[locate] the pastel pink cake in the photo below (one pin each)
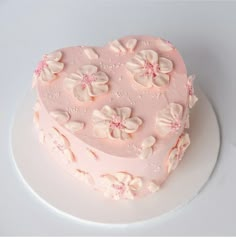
(115, 116)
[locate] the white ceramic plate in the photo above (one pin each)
(59, 190)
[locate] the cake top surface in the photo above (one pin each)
(117, 97)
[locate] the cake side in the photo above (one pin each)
(125, 134)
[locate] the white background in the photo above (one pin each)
(205, 34)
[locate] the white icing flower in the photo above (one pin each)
(146, 147)
(87, 83)
(114, 123)
(58, 142)
(48, 67)
(121, 185)
(149, 69)
(169, 119)
(192, 97)
(177, 152)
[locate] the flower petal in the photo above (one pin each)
(128, 194)
(101, 129)
(176, 110)
(59, 138)
(184, 142)
(101, 78)
(145, 153)
(117, 47)
(100, 116)
(74, 126)
(161, 80)
(54, 56)
(91, 53)
(148, 55)
(60, 116)
(164, 45)
(192, 100)
(145, 80)
(115, 133)
(173, 160)
(108, 179)
(76, 76)
(88, 69)
(136, 184)
(148, 142)
(55, 66)
(123, 112)
(166, 65)
(81, 93)
(124, 135)
(132, 124)
(153, 187)
(163, 122)
(70, 83)
(69, 155)
(108, 112)
(97, 89)
(135, 67)
(123, 177)
(46, 75)
(131, 44)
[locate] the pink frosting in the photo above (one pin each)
(103, 156)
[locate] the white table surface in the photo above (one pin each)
(205, 34)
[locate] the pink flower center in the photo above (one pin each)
(42, 64)
(175, 125)
(151, 69)
(116, 123)
(87, 80)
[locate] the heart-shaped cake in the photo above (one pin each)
(115, 115)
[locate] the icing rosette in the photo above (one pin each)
(169, 119)
(48, 67)
(149, 69)
(177, 152)
(121, 185)
(115, 123)
(87, 83)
